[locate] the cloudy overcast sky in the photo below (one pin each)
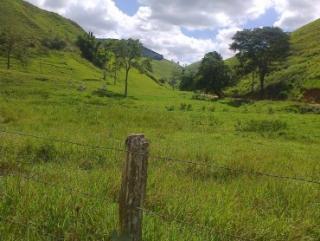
(183, 30)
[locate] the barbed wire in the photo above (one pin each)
(18, 133)
(52, 184)
(164, 158)
(250, 172)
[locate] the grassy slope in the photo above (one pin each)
(36, 23)
(164, 68)
(193, 67)
(302, 66)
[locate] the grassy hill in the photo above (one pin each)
(300, 71)
(35, 22)
(39, 24)
(163, 69)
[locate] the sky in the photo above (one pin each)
(183, 30)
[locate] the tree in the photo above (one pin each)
(130, 52)
(259, 48)
(146, 65)
(116, 62)
(175, 77)
(93, 50)
(213, 74)
(13, 44)
(115, 67)
(55, 43)
(187, 81)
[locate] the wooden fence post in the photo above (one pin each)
(133, 187)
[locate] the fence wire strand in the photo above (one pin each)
(249, 172)
(17, 133)
(163, 158)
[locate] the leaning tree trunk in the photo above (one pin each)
(126, 83)
(115, 76)
(253, 82)
(8, 59)
(262, 77)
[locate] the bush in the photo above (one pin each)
(170, 108)
(185, 107)
(303, 109)
(261, 126)
(54, 43)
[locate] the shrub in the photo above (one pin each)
(45, 152)
(54, 43)
(212, 109)
(271, 111)
(261, 126)
(185, 107)
(170, 108)
(303, 109)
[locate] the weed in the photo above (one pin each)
(261, 126)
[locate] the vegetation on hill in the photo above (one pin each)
(57, 190)
(164, 70)
(293, 78)
(296, 76)
(258, 50)
(37, 23)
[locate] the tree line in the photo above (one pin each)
(257, 51)
(112, 56)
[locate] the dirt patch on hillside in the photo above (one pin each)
(312, 96)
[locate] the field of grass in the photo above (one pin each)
(58, 191)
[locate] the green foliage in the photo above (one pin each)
(201, 136)
(37, 24)
(303, 109)
(262, 126)
(13, 44)
(165, 69)
(185, 107)
(300, 69)
(259, 48)
(55, 43)
(170, 108)
(129, 52)
(188, 81)
(235, 204)
(214, 75)
(93, 50)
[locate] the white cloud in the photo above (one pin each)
(295, 13)
(158, 24)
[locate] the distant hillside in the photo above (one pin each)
(39, 24)
(163, 69)
(151, 54)
(35, 22)
(298, 76)
(193, 67)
